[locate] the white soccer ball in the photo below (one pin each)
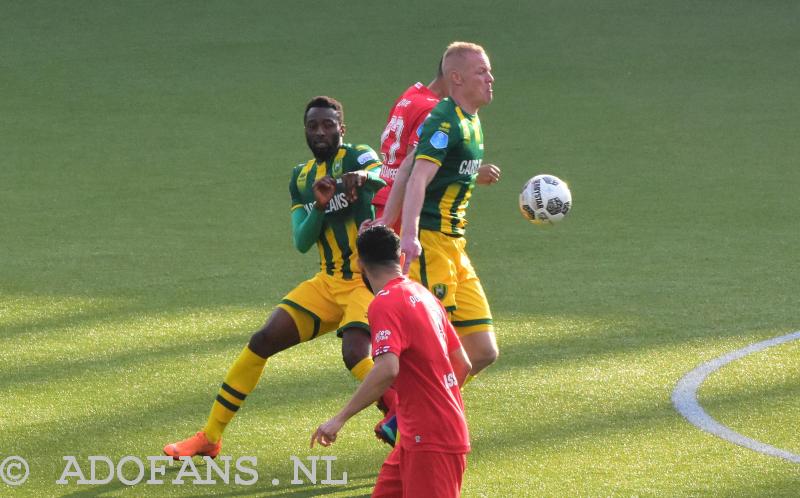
(545, 199)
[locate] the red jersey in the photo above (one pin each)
(407, 320)
(402, 129)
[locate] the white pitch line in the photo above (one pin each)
(684, 397)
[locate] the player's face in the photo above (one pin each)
(478, 79)
(364, 277)
(323, 132)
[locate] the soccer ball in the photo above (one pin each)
(545, 199)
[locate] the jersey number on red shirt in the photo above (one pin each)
(393, 127)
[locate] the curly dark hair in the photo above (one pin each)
(378, 245)
(328, 102)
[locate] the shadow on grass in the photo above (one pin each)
(45, 371)
(761, 486)
(591, 338)
(64, 320)
(276, 392)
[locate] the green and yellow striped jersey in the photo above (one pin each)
(337, 238)
(453, 140)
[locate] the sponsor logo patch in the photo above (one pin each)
(439, 140)
(367, 157)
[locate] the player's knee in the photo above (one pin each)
(482, 358)
(261, 344)
(273, 338)
(356, 346)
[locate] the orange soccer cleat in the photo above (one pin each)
(196, 445)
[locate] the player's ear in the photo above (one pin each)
(455, 78)
(402, 259)
(342, 128)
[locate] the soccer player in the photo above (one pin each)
(398, 141)
(447, 160)
(415, 347)
(331, 196)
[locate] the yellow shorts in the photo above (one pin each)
(445, 269)
(326, 303)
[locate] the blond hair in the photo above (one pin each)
(461, 47)
(455, 52)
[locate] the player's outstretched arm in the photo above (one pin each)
(378, 380)
(306, 227)
(422, 174)
(461, 365)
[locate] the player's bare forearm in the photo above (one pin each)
(394, 204)
(378, 380)
(461, 365)
(375, 384)
(421, 176)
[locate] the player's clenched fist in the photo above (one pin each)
(324, 188)
(488, 174)
(352, 181)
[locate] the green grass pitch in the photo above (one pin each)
(145, 151)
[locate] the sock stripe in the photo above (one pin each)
(227, 404)
(233, 392)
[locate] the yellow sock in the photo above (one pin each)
(362, 368)
(239, 382)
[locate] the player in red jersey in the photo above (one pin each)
(400, 136)
(398, 141)
(416, 349)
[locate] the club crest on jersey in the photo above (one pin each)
(439, 140)
(439, 290)
(336, 170)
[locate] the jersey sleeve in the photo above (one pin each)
(294, 193)
(413, 140)
(385, 326)
(438, 133)
(363, 157)
(423, 113)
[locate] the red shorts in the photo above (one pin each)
(407, 474)
(379, 212)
